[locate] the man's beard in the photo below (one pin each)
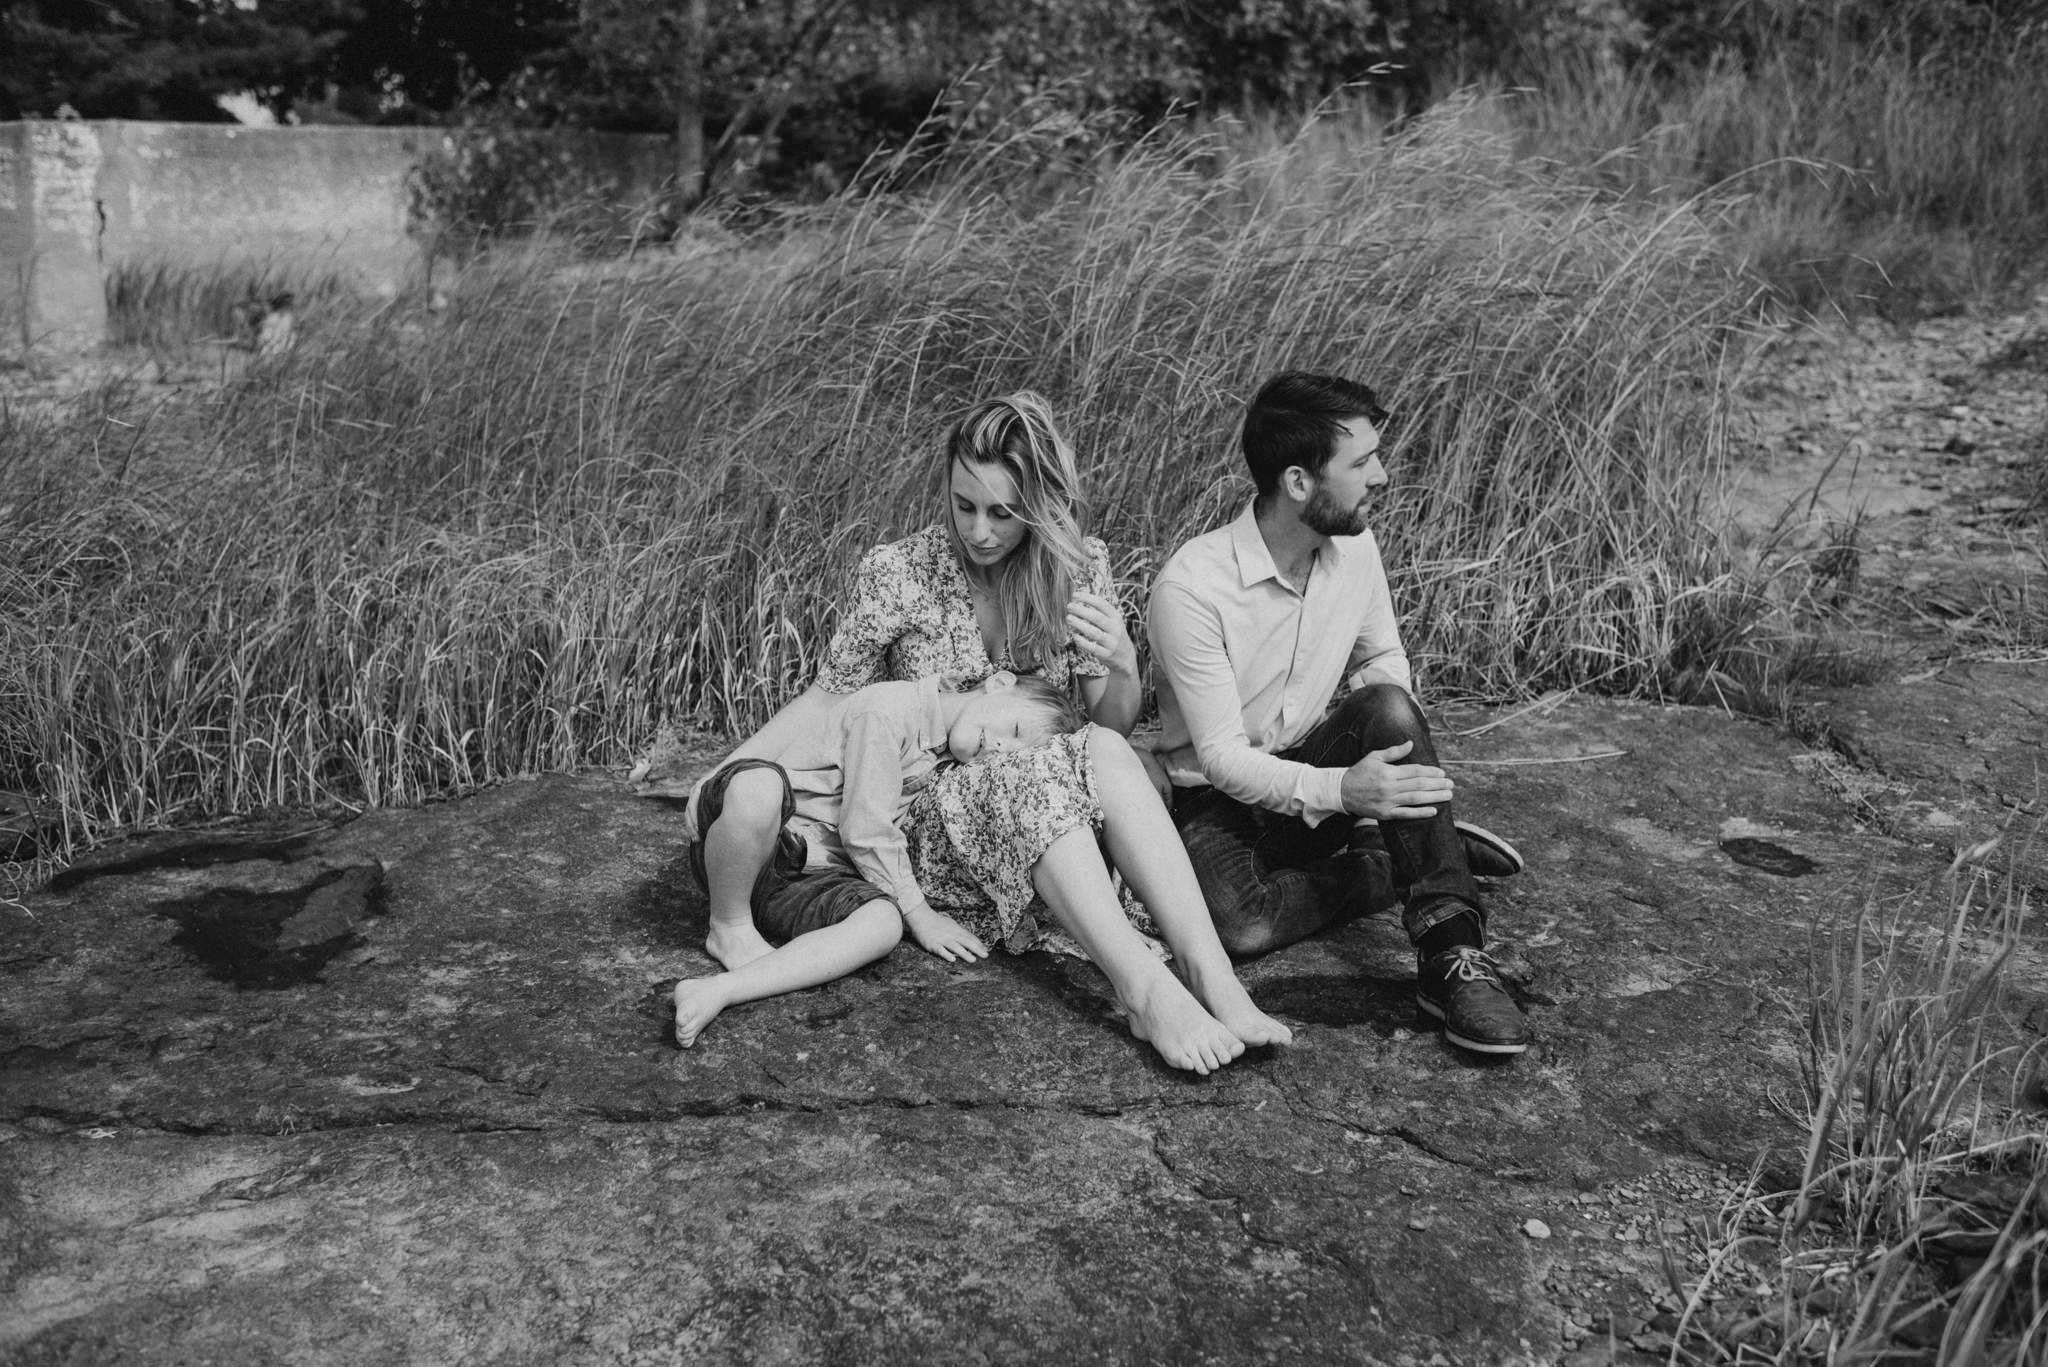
(1325, 516)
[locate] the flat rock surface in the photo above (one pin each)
(403, 1091)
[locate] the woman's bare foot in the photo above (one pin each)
(1230, 1004)
(698, 1002)
(1166, 1016)
(736, 943)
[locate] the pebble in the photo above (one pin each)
(1535, 1229)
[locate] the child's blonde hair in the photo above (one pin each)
(1057, 709)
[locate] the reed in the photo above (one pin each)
(1916, 1228)
(1876, 175)
(422, 552)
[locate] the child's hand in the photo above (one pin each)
(946, 937)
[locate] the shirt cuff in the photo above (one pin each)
(1322, 795)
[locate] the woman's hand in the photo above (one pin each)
(1097, 626)
(944, 936)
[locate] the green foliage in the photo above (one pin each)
(1867, 176)
(419, 61)
(163, 59)
(486, 182)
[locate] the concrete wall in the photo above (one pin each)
(79, 200)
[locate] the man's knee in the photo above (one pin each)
(1383, 708)
(1246, 939)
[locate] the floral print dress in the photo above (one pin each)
(978, 829)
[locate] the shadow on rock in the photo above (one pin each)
(1382, 1004)
(670, 905)
(279, 938)
(170, 852)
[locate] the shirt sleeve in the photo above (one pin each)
(870, 808)
(1378, 656)
(1096, 579)
(873, 620)
(1188, 647)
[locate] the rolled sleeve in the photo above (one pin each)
(870, 815)
(1188, 648)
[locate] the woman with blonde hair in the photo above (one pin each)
(1008, 580)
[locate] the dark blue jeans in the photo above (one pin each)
(1272, 879)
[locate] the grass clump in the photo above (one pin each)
(1884, 173)
(162, 307)
(421, 553)
(1916, 1230)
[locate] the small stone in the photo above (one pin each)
(1535, 1229)
(1421, 1222)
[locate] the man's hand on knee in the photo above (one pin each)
(1379, 786)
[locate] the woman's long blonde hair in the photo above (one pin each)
(1017, 435)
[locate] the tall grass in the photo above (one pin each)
(1874, 174)
(159, 305)
(422, 553)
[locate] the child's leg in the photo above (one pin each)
(1074, 882)
(833, 951)
(1147, 850)
(737, 847)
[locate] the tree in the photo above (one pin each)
(163, 59)
(421, 59)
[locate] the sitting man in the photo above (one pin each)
(1253, 627)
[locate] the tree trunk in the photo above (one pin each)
(692, 21)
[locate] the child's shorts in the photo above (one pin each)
(788, 899)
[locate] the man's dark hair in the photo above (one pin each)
(1296, 419)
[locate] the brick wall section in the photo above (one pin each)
(80, 199)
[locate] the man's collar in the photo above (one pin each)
(1255, 561)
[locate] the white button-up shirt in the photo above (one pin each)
(1246, 664)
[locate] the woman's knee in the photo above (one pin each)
(1109, 750)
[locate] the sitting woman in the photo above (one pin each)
(1007, 581)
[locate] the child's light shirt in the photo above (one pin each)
(856, 770)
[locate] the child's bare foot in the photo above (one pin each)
(1167, 1017)
(698, 1002)
(736, 943)
(1230, 1004)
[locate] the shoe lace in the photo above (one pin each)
(1472, 966)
